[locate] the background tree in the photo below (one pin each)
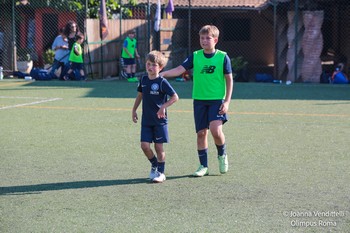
(112, 6)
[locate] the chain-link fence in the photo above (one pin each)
(29, 29)
(284, 39)
(278, 39)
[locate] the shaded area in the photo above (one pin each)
(123, 89)
(268, 91)
(38, 188)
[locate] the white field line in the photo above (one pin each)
(41, 100)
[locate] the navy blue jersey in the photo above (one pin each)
(188, 63)
(154, 94)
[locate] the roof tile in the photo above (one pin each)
(214, 3)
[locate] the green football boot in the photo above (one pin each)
(201, 171)
(223, 164)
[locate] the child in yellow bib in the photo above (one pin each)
(76, 59)
(211, 93)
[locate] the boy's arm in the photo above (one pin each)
(137, 53)
(229, 89)
(161, 111)
(173, 72)
(76, 50)
(136, 105)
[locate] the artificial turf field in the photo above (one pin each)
(71, 161)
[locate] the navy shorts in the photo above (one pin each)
(77, 66)
(129, 61)
(156, 134)
(206, 111)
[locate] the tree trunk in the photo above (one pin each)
(312, 45)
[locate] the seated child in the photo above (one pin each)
(338, 76)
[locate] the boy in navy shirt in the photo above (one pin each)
(153, 91)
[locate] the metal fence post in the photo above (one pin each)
(296, 18)
(14, 46)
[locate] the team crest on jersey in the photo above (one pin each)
(208, 69)
(154, 89)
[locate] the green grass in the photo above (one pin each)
(71, 161)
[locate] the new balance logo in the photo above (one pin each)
(208, 69)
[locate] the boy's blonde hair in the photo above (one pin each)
(156, 57)
(210, 30)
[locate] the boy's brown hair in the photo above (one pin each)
(132, 31)
(79, 36)
(156, 57)
(211, 30)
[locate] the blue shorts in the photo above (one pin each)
(156, 134)
(129, 61)
(77, 66)
(206, 111)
